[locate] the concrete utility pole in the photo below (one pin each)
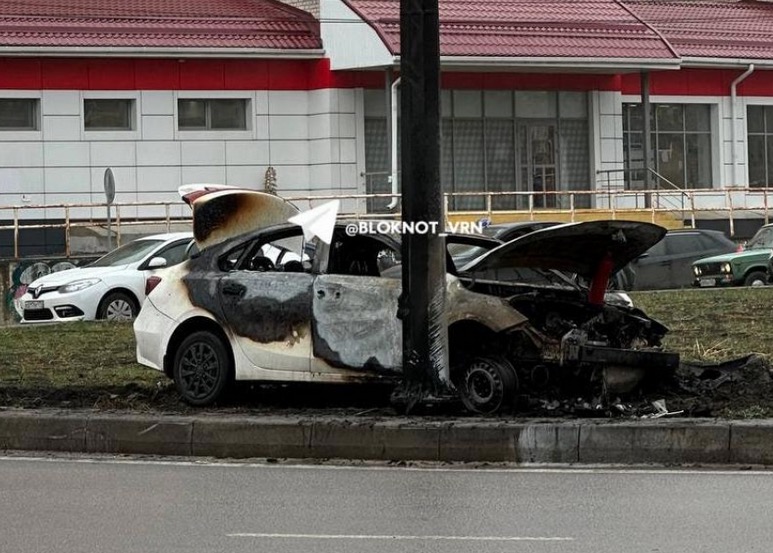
(422, 304)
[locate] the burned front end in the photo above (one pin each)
(617, 345)
(577, 332)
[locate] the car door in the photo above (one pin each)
(355, 324)
(683, 248)
(268, 308)
(651, 268)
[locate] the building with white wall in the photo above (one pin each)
(537, 96)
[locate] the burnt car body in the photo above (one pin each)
(265, 305)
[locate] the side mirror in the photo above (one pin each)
(157, 263)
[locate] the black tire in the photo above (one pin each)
(202, 368)
(117, 306)
(756, 278)
(487, 384)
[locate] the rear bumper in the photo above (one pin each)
(151, 331)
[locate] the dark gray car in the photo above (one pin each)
(668, 264)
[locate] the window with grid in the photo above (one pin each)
(108, 114)
(680, 145)
(480, 150)
(225, 114)
(760, 137)
(19, 114)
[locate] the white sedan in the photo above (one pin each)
(112, 287)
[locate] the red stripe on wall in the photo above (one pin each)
(232, 74)
(174, 74)
(701, 82)
(161, 74)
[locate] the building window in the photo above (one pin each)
(680, 145)
(204, 115)
(498, 141)
(108, 114)
(760, 128)
(19, 114)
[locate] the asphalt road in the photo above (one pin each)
(127, 506)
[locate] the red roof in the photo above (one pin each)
(260, 24)
(636, 29)
(528, 28)
(716, 29)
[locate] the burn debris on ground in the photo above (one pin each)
(737, 388)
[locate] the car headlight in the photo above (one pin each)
(725, 268)
(78, 285)
(697, 270)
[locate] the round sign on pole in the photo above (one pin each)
(109, 185)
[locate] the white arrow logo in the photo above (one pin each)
(319, 221)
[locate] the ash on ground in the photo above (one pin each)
(737, 388)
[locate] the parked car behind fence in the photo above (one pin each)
(112, 287)
(668, 264)
(746, 267)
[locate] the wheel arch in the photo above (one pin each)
(755, 269)
(120, 290)
(195, 324)
(466, 334)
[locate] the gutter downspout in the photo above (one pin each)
(733, 87)
(393, 136)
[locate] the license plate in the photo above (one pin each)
(35, 304)
(706, 282)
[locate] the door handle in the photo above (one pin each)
(234, 289)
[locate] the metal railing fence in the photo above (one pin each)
(681, 204)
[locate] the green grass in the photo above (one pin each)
(713, 324)
(93, 364)
(80, 364)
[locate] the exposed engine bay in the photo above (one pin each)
(566, 333)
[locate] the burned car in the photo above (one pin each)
(266, 305)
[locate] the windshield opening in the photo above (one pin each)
(763, 239)
(128, 253)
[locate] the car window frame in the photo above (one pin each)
(268, 237)
(340, 232)
(164, 248)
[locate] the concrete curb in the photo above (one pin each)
(662, 441)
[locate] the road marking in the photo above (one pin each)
(524, 468)
(396, 538)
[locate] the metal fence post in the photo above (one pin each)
(16, 233)
(66, 231)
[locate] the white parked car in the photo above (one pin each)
(112, 287)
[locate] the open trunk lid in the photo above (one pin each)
(220, 211)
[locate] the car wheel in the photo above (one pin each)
(487, 384)
(201, 368)
(755, 278)
(117, 306)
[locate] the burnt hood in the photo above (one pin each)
(574, 247)
(221, 212)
